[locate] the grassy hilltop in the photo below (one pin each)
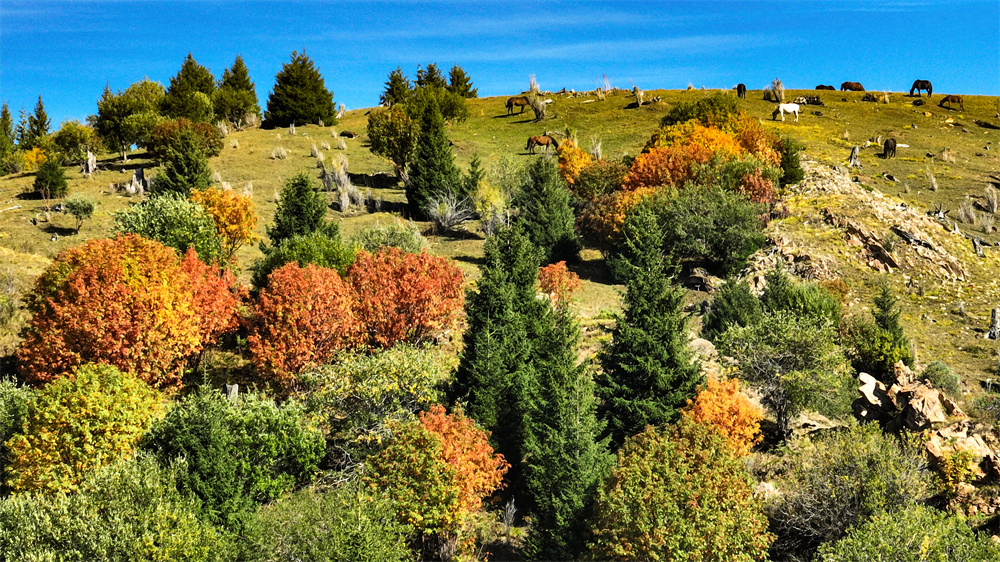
(957, 148)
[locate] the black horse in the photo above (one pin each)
(921, 85)
(741, 91)
(889, 148)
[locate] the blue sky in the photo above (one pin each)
(68, 50)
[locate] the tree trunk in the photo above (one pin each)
(854, 161)
(994, 333)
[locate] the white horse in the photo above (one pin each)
(784, 108)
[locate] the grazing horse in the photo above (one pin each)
(516, 100)
(822, 87)
(543, 141)
(889, 148)
(921, 85)
(784, 108)
(852, 87)
(953, 99)
(741, 91)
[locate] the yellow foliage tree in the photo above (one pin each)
(234, 215)
(722, 407)
(34, 158)
(572, 159)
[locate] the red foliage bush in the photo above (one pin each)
(128, 302)
(401, 297)
(757, 188)
(302, 317)
(667, 165)
(558, 282)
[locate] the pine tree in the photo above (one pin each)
(495, 380)
(545, 214)
(648, 369)
(50, 180)
(21, 130)
(7, 145)
(38, 127)
(299, 96)
(460, 83)
(236, 95)
(432, 170)
(397, 89)
(887, 318)
(301, 210)
(185, 167)
(566, 459)
(476, 173)
(182, 99)
(431, 77)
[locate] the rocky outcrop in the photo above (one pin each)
(967, 436)
(909, 404)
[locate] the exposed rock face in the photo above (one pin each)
(967, 435)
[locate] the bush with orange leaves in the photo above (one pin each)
(692, 133)
(572, 159)
(402, 297)
(758, 141)
(558, 282)
(666, 165)
(757, 187)
(302, 317)
(721, 406)
(601, 221)
(234, 216)
(128, 302)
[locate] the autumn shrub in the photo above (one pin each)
(128, 302)
(717, 110)
(839, 481)
(722, 407)
(401, 297)
(302, 317)
(166, 133)
(345, 523)
(597, 178)
(78, 424)
(173, 221)
(237, 453)
(666, 165)
(14, 400)
(33, 159)
(234, 216)
(914, 534)
(316, 248)
(130, 510)
(558, 282)
(747, 176)
(758, 141)
(437, 470)
(723, 144)
(403, 235)
(679, 493)
(572, 159)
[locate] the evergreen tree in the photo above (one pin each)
(476, 173)
(236, 95)
(495, 380)
(129, 117)
(460, 83)
(301, 210)
(431, 77)
(733, 305)
(299, 96)
(648, 369)
(185, 167)
(7, 145)
(182, 99)
(21, 130)
(50, 180)
(38, 127)
(432, 170)
(397, 89)
(545, 214)
(887, 318)
(566, 459)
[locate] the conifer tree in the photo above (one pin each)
(460, 83)
(21, 129)
(236, 95)
(432, 170)
(886, 316)
(397, 89)
(566, 458)
(299, 96)
(431, 77)
(38, 127)
(648, 369)
(182, 99)
(50, 180)
(545, 214)
(301, 210)
(7, 145)
(129, 117)
(185, 167)
(471, 179)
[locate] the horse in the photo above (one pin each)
(953, 99)
(889, 148)
(784, 108)
(516, 100)
(921, 85)
(741, 91)
(543, 141)
(822, 87)
(852, 87)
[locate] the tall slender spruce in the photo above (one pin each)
(432, 171)
(545, 213)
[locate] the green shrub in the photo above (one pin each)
(301, 210)
(801, 299)
(544, 213)
(791, 168)
(988, 407)
(942, 377)
(343, 524)
(50, 180)
(730, 175)
(599, 178)
(403, 235)
(317, 248)
(185, 166)
(127, 511)
(14, 401)
(875, 345)
(173, 221)
(81, 207)
(168, 133)
(839, 481)
(733, 305)
(238, 452)
(717, 110)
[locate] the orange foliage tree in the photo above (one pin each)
(128, 302)
(758, 141)
(302, 317)
(692, 133)
(234, 216)
(558, 282)
(722, 407)
(666, 165)
(402, 297)
(572, 159)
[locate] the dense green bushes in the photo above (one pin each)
(173, 221)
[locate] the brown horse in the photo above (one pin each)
(516, 100)
(852, 87)
(741, 91)
(889, 148)
(953, 99)
(543, 141)
(822, 87)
